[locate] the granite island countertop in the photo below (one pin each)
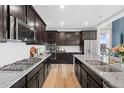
(115, 79)
(8, 78)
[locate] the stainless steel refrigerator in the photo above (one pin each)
(91, 49)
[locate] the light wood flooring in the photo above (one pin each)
(61, 76)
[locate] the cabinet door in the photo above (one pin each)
(30, 17)
(93, 35)
(85, 35)
(1, 21)
(18, 11)
(33, 83)
(60, 57)
(41, 77)
(38, 30)
(51, 36)
(20, 84)
(46, 71)
(92, 83)
(60, 38)
(72, 38)
(43, 29)
(83, 78)
(76, 67)
(78, 73)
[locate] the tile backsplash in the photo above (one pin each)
(70, 48)
(13, 51)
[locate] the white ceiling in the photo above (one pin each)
(74, 16)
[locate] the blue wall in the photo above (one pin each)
(118, 32)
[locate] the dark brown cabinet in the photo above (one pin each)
(92, 83)
(3, 22)
(60, 38)
(72, 38)
(51, 36)
(86, 77)
(89, 35)
(83, 78)
(43, 29)
(41, 76)
(31, 17)
(18, 11)
(33, 83)
(20, 84)
(93, 35)
(68, 38)
(25, 13)
(65, 58)
(61, 58)
(40, 31)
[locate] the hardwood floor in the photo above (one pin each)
(61, 76)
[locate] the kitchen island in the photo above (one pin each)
(32, 77)
(91, 77)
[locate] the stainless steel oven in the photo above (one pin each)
(51, 49)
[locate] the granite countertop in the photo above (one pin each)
(8, 78)
(115, 79)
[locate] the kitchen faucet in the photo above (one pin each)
(109, 54)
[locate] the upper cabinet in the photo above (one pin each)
(1, 21)
(60, 38)
(31, 17)
(40, 30)
(3, 24)
(89, 35)
(72, 38)
(68, 38)
(51, 36)
(18, 11)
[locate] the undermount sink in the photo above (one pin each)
(95, 62)
(107, 68)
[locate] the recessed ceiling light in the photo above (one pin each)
(62, 23)
(62, 6)
(86, 23)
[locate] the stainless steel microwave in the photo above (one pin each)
(20, 30)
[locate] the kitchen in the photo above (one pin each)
(42, 46)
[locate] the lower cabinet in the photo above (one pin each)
(79, 73)
(83, 77)
(86, 77)
(35, 78)
(33, 83)
(20, 84)
(65, 58)
(92, 83)
(41, 76)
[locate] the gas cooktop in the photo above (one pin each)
(20, 65)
